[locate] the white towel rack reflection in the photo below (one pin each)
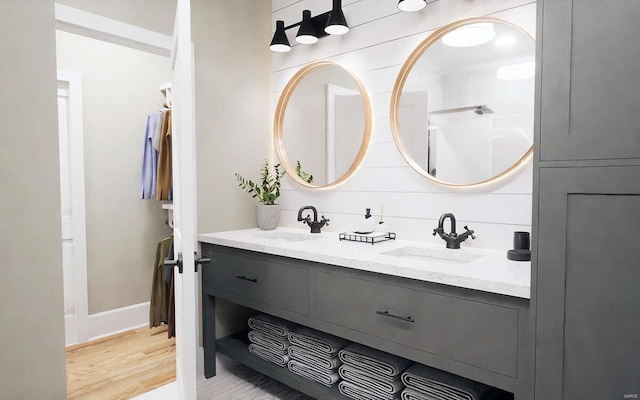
(166, 92)
(169, 208)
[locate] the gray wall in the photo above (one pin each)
(32, 364)
(120, 88)
(233, 115)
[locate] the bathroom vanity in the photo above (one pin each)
(463, 311)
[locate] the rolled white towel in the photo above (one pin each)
(374, 361)
(436, 382)
(280, 360)
(377, 383)
(314, 359)
(317, 341)
(271, 325)
(313, 374)
(357, 392)
(279, 344)
(412, 394)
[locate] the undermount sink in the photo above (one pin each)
(288, 236)
(420, 253)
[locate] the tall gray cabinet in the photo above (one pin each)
(586, 270)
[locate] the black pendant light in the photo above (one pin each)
(280, 42)
(412, 5)
(337, 23)
(310, 29)
(307, 34)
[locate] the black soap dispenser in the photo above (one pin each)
(521, 247)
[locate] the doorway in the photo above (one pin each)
(105, 93)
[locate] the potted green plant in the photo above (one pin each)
(305, 176)
(267, 192)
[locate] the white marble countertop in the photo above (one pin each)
(488, 271)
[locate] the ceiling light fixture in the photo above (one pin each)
(470, 35)
(412, 5)
(311, 28)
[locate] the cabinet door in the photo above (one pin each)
(590, 88)
(588, 280)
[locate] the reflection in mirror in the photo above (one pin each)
(322, 122)
(462, 109)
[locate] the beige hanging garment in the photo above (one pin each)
(165, 177)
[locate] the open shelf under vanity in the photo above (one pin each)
(236, 346)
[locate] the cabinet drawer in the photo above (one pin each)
(479, 334)
(261, 278)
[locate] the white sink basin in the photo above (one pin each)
(420, 253)
(288, 236)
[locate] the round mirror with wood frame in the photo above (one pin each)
(322, 125)
(462, 107)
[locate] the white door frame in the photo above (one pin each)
(79, 321)
(84, 23)
(333, 91)
(94, 26)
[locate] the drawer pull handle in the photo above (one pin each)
(387, 314)
(244, 278)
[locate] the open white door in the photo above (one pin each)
(184, 201)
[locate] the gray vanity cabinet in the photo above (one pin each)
(590, 87)
(482, 336)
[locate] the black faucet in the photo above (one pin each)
(453, 239)
(315, 225)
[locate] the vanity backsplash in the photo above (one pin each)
(378, 44)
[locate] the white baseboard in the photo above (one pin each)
(70, 329)
(110, 322)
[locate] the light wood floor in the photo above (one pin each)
(122, 366)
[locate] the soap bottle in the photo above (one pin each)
(369, 224)
(379, 226)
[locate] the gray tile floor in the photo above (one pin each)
(233, 381)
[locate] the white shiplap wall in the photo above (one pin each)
(380, 40)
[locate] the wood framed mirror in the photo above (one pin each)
(322, 125)
(462, 107)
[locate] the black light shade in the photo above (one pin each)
(307, 34)
(337, 24)
(412, 5)
(280, 42)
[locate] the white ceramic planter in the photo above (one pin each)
(267, 216)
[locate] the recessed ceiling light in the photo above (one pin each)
(470, 35)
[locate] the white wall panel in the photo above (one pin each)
(380, 40)
(386, 26)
